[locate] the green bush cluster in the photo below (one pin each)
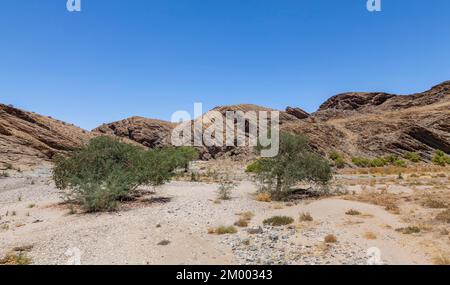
(295, 162)
(337, 158)
(440, 158)
(412, 156)
(107, 171)
(378, 162)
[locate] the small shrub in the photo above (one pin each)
(222, 230)
(306, 217)
(440, 158)
(247, 215)
(164, 242)
(400, 163)
(23, 248)
(441, 260)
(242, 223)
(4, 174)
(434, 204)
(412, 156)
(330, 239)
(334, 155)
(19, 258)
(253, 167)
(276, 221)
(361, 162)
(409, 230)
(378, 162)
(340, 163)
(8, 166)
(353, 212)
(444, 216)
(31, 206)
(225, 189)
(338, 160)
(263, 197)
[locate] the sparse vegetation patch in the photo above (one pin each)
(276, 221)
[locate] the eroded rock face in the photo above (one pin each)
(355, 124)
(297, 112)
(147, 132)
(27, 139)
(379, 123)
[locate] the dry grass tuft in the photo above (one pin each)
(222, 230)
(330, 239)
(434, 203)
(353, 212)
(384, 199)
(444, 216)
(15, 258)
(263, 197)
(369, 235)
(278, 221)
(409, 230)
(306, 217)
(441, 260)
(242, 223)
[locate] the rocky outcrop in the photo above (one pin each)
(298, 113)
(355, 124)
(147, 132)
(27, 139)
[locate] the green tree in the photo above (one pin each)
(184, 155)
(107, 171)
(295, 163)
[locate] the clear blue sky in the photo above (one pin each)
(150, 58)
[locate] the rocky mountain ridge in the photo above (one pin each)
(354, 123)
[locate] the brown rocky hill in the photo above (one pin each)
(374, 124)
(355, 124)
(147, 132)
(27, 139)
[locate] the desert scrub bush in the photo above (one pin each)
(247, 215)
(306, 217)
(330, 239)
(253, 167)
(338, 159)
(440, 158)
(4, 174)
(295, 163)
(400, 163)
(107, 171)
(277, 221)
(222, 230)
(15, 258)
(434, 203)
(444, 216)
(361, 162)
(441, 260)
(412, 156)
(263, 197)
(182, 156)
(409, 230)
(353, 212)
(225, 189)
(242, 223)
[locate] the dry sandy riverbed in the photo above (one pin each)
(181, 213)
